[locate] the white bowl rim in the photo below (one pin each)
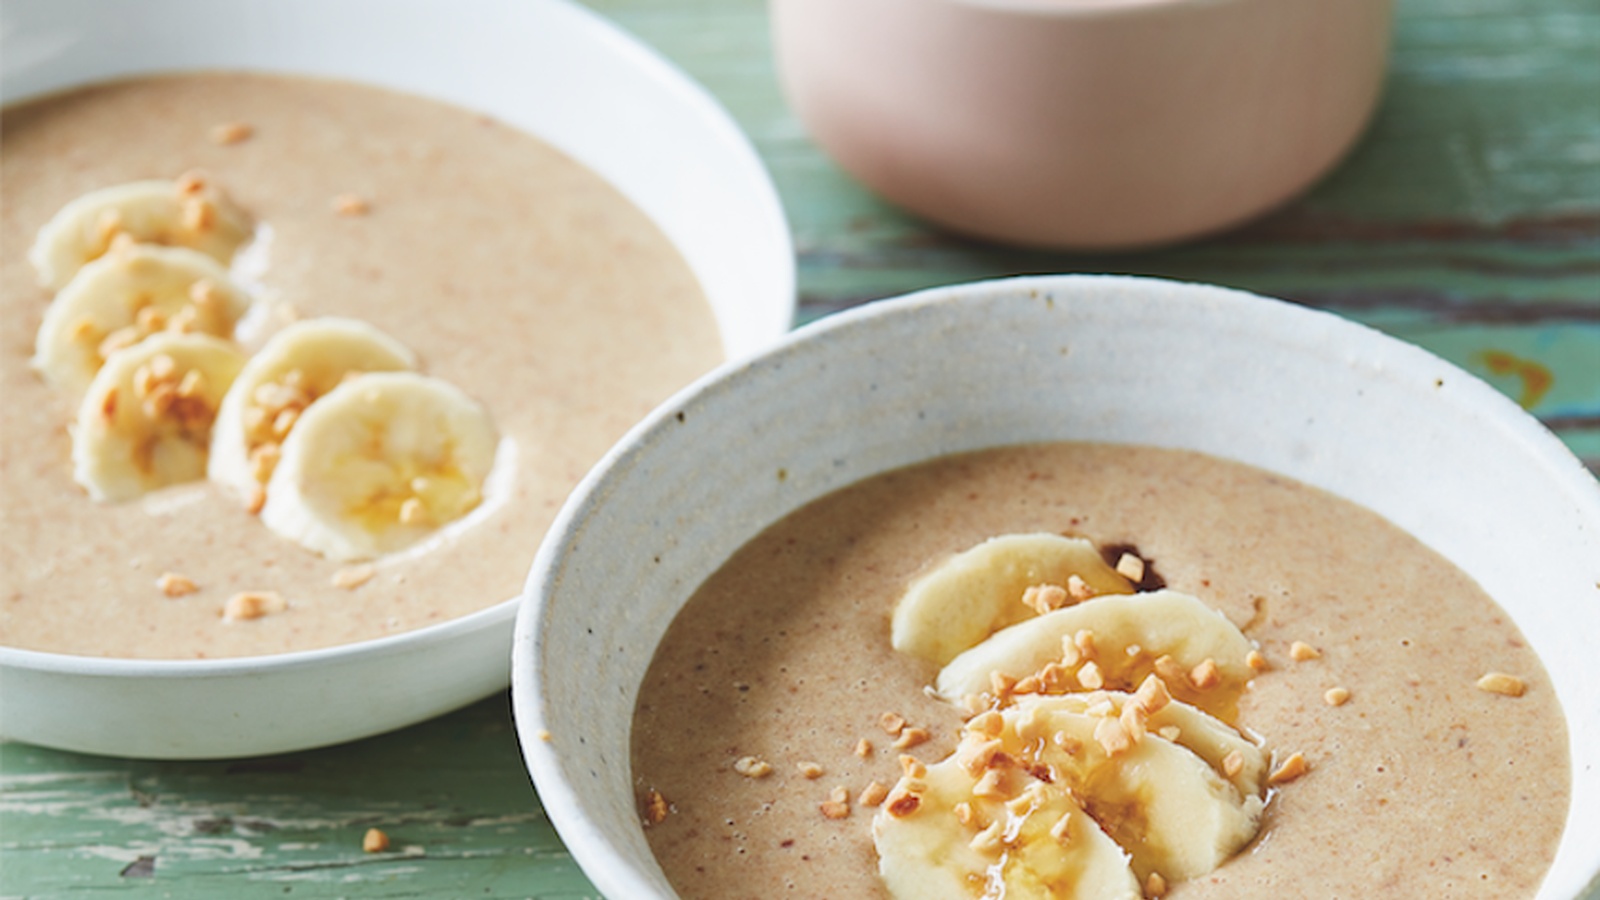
(614, 875)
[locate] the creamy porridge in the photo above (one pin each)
(512, 272)
(1420, 781)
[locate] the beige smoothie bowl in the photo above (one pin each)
(1091, 124)
(1296, 392)
(547, 67)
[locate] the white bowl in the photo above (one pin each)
(1299, 392)
(547, 66)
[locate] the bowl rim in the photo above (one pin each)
(699, 105)
(601, 861)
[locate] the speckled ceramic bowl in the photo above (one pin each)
(547, 66)
(1294, 391)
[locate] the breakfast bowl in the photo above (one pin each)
(720, 474)
(1090, 124)
(544, 77)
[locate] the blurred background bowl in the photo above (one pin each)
(1298, 392)
(1102, 124)
(549, 67)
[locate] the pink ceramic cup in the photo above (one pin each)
(1089, 124)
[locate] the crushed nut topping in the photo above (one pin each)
(1112, 736)
(993, 784)
(1152, 695)
(174, 585)
(1043, 598)
(1256, 661)
(1292, 768)
(892, 723)
(912, 767)
(1502, 684)
(1089, 676)
(1131, 567)
(656, 808)
(1300, 651)
(351, 205)
(1336, 696)
(990, 841)
(1206, 675)
(247, 605)
(1078, 589)
(231, 133)
(751, 767)
(1084, 641)
(374, 841)
(863, 748)
(911, 737)
(351, 577)
(901, 802)
(1233, 763)
(1061, 831)
(809, 769)
(1155, 885)
(837, 806)
(873, 794)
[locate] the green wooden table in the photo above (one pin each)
(1468, 222)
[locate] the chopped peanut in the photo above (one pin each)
(174, 585)
(1300, 651)
(911, 737)
(837, 806)
(1112, 736)
(1233, 763)
(863, 748)
(1152, 695)
(1206, 675)
(892, 723)
(751, 767)
(873, 794)
(247, 605)
(992, 785)
(1292, 768)
(1256, 661)
(1043, 598)
(231, 133)
(912, 767)
(809, 769)
(374, 841)
(656, 808)
(1089, 676)
(351, 577)
(991, 840)
(901, 802)
(1502, 684)
(965, 814)
(1084, 641)
(1131, 567)
(351, 205)
(1078, 589)
(1336, 696)
(1155, 885)
(1061, 831)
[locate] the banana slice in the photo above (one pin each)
(298, 365)
(957, 845)
(146, 419)
(1043, 801)
(189, 212)
(979, 591)
(378, 464)
(121, 298)
(1113, 642)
